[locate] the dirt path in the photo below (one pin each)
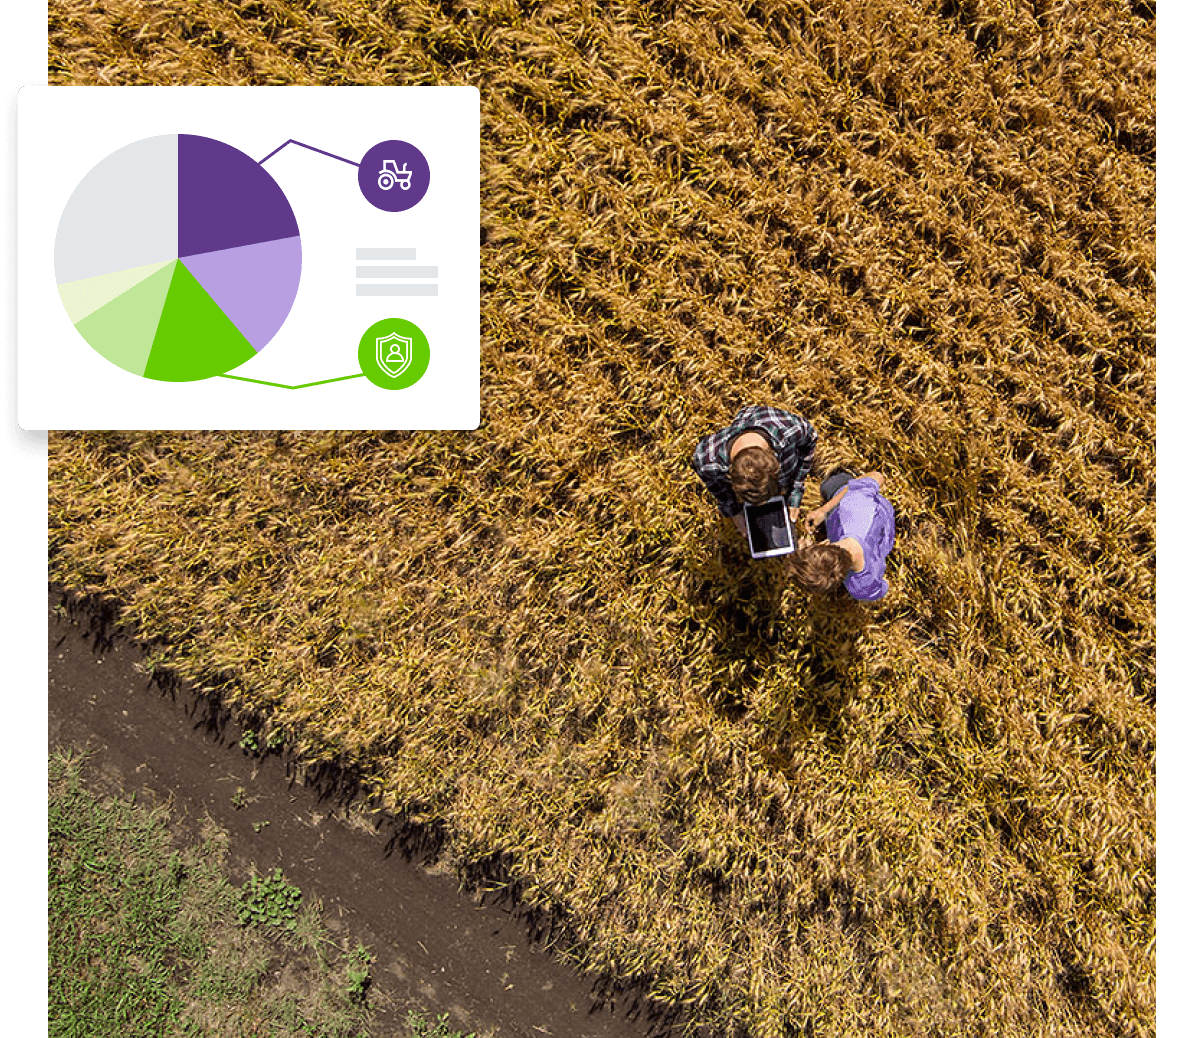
(438, 950)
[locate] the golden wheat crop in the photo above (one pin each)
(929, 228)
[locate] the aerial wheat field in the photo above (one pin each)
(927, 226)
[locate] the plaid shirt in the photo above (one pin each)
(793, 441)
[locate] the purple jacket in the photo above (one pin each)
(866, 516)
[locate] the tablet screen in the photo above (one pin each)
(769, 530)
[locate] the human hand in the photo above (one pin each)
(793, 515)
(814, 518)
(741, 523)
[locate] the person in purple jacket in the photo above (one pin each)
(859, 532)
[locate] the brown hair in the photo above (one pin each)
(754, 475)
(821, 567)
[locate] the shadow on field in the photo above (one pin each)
(749, 619)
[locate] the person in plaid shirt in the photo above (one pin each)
(764, 452)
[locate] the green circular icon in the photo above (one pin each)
(394, 353)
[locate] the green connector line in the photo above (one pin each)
(279, 385)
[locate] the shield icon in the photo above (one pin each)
(394, 353)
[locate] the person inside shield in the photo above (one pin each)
(394, 355)
(763, 453)
(858, 527)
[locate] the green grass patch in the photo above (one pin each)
(147, 938)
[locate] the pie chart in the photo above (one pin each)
(177, 257)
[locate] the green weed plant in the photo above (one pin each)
(269, 901)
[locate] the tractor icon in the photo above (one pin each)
(390, 175)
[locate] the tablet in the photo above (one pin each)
(770, 531)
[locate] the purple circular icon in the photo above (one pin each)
(394, 176)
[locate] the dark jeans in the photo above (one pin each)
(828, 489)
